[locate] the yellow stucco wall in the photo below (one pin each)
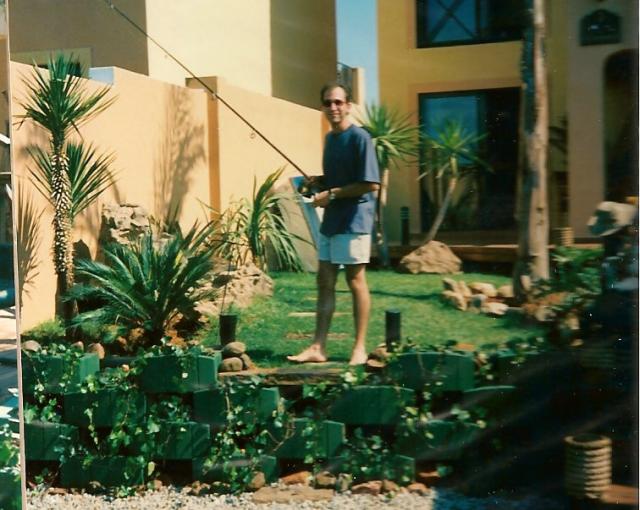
(282, 46)
(406, 71)
(585, 101)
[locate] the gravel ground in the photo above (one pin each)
(172, 499)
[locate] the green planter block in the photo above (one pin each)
(210, 406)
(110, 406)
(10, 493)
(51, 372)
(447, 440)
(216, 473)
(414, 370)
(331, 436)
(372, 405)
(179, 374)
(44, 441)
(114, 471)
(182, 440)
(496, 400)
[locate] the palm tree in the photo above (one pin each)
(532, 263)
(59, 102)
(395, 140)
(451, 153)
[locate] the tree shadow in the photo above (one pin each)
(178, 153)
(28, 241)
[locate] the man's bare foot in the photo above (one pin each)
(358, 357)
(312, 354)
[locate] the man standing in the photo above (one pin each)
(351, 179)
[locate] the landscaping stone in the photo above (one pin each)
(98, 349)
(344, 482)
(418, 488)
(494, 308)
(487, 289)
(432, 257)
(505, 291)
(371, 405)
(477, 301)
(57, 374)
(300, 477)
(179, 374)
(413, 370)
(325, 480)
(45, 441)
(30, 346)
(429, 478)
(294, 494)
(247, 363)
(389, 486)
(233, 350)
(375, 365)
(79, 346)
(456, 299)
(258, 481)
(372, 488)
(231, 365)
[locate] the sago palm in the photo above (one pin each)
(451, 151)
(147, 284)
(59, 102)
(395, 140)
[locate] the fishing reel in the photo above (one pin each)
(309, 187)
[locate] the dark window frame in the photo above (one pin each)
(422, 35)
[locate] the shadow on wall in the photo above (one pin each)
(178, 153)
(28, 241)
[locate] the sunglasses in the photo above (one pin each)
(328, 102)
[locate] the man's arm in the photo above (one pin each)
(356, 189)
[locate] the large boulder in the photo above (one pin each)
(433, 257)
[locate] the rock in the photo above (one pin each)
(257, 482)
(389, 486)
(344, 482)
(544, 313)
(122, 224)
(296, 494)
(299, 478)
(494, 308)
(156, 484)
(433, 257)
(456, 299)
(380, 353)
(79, 346)
(30, 346)
(233, 349)
(325, 480)
(429, 478)
(450, 284)
(231, 365)
(505, 291)
(375, 365)
(247, 363)
(464, 289)
(477, 300)
(98, 349)
(418, 488)
(58, 491)
(487, 289)
(372, 488)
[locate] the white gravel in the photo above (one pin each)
(172, 499)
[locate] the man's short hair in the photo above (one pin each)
(336, 85)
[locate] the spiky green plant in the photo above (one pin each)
(451, 152)
(59, 102)
(147, 284)
(396, 140)
(255, 228)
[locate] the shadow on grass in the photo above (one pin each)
(434, 296)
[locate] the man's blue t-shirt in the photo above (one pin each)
(349, 157)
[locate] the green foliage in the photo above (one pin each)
(146, 285)
(576, 270)
(255, 228)
(369, 458)
(9, 450)
(46, 332)
(395, 138)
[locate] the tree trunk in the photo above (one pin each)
(532, 262)
(451, 186)
(381, 236)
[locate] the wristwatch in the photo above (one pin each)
(332, 195)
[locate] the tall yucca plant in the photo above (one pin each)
(59, 102)
(451, 151)
(395, 140)
(147, 284)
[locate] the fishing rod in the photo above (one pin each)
(214, 94)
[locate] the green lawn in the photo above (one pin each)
(271, 333)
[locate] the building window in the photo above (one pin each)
(453, 22)
(484, 200)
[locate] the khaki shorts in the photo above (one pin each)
(347, 249)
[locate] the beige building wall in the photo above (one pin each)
(284, 48)
(585, 106)
(406, 71)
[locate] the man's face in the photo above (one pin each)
(335, 106)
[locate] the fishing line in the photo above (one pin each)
(214, 94)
